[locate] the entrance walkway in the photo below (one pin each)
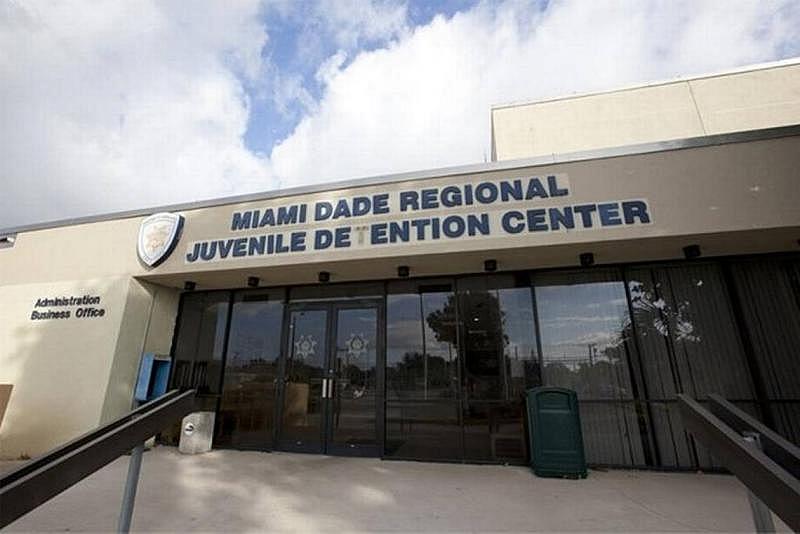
(250, 491)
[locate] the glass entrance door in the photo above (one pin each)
(330, 393)
(352, 386)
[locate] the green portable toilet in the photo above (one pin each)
(556, 440)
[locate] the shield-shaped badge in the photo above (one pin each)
(158, 236)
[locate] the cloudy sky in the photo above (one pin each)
(114, 105)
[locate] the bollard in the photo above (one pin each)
(762, 516)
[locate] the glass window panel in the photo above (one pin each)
(186, 343)
(494, 432)
(611, 433)
(354, 396)
(585, 329)
(201, 337)
(677, 449)
(245, 418)
(440, 336)
(305, 365)
(710, 354)
(483, 345)
(658, 365)
(405, 349)
(587, 346)
(519, 335)
(423, 430)
(768, 295)
(673, 442)
(498, 338)
(689, 343)
(421, 335)
(693, 344)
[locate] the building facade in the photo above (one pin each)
(404, 317)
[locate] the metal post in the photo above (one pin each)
(762, 516)
(129, 497)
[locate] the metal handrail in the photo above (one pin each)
(42, 478)
(781, 450)
(770, 481)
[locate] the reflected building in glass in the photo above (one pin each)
(437, 369)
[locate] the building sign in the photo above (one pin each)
(67, 307)
(512, 207)
(158, 235)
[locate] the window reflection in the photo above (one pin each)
(422, 410)
(307, 349)
(494, 431)
(500, 364)
(200, 344)
(586, 330)
(499, 343)
(689, 344)
(771, 293)
(486, 327)
(461, 353)
(246, 413)
(422, 361)
(423, 430)
(355, 396)
(683, 316)
(587, 345)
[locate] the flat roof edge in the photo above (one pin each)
(476, 168)
(788, 62)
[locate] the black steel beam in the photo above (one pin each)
(45, 477)
(782, 451)
(771, 483)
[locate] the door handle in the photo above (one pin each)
(327, 388)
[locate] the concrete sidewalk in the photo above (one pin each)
(250, 491)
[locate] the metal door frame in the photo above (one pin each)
(331, 308)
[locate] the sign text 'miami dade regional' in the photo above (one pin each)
(491, 208)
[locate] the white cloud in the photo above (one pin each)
(124, 104)
(117, 105)
(354, 21)
(287, 89)
(424, 101)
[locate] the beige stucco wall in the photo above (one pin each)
(70, 375)
(161, 323)
(747, 100)
(147, 325)
(691, 193)
(722, 189)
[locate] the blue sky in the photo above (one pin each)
(287, 55)
(118, 105)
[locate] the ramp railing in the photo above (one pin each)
(765, 462)
(41, 479)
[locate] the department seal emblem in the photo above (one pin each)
(305, 346)
(356, 345)
(158, 236)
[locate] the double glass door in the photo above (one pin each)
(330, 394)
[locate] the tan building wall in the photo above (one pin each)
(749, 99)
(695, 195)
(71, 374)
(147, 325)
